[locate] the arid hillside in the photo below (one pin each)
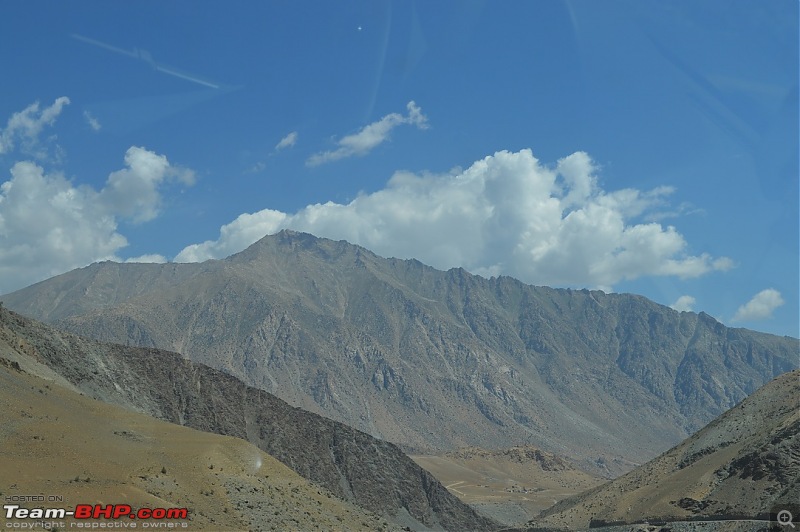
(352, 465)
(741, 465)
(55, 441)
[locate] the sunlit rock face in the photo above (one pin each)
(425, 358)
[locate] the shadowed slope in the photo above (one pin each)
(739, 466)
(374, 474)
(55, 441)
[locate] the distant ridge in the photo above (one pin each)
(742, 465)
(430, 360)
(373, 474)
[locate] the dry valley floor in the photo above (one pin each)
(511, 485)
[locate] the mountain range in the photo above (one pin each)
(430, 360)
(351, 465)
(57, 422)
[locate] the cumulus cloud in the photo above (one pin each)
(506, 214)
(133, 192)
(683, 304)
(287, 142)
(24, 127)
(760, 307)
(49, 225)
(235, 236)
(370, 136)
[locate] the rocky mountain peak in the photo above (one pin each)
(430, 360)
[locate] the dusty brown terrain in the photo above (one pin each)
(54, 441)
(511, 485)
(371, 473)
(738, 467)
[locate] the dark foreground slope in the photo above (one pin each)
(374, 474)
(428, 359)
(54, 440)
(742, 465)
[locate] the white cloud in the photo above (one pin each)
(149, 258)
(93, 122)
(287, 142)
(506, 214)
(49, 225)
(760, 307)
(133, 192)
(25, 126)
(370, 136)
(235, 236)
(683, 209)
(684, 304)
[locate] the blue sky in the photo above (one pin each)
(634, 146)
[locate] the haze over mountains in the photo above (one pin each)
(429, 359)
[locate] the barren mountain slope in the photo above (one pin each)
(374, 474)
(740, 465)
(54, 441)
(428, 359)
